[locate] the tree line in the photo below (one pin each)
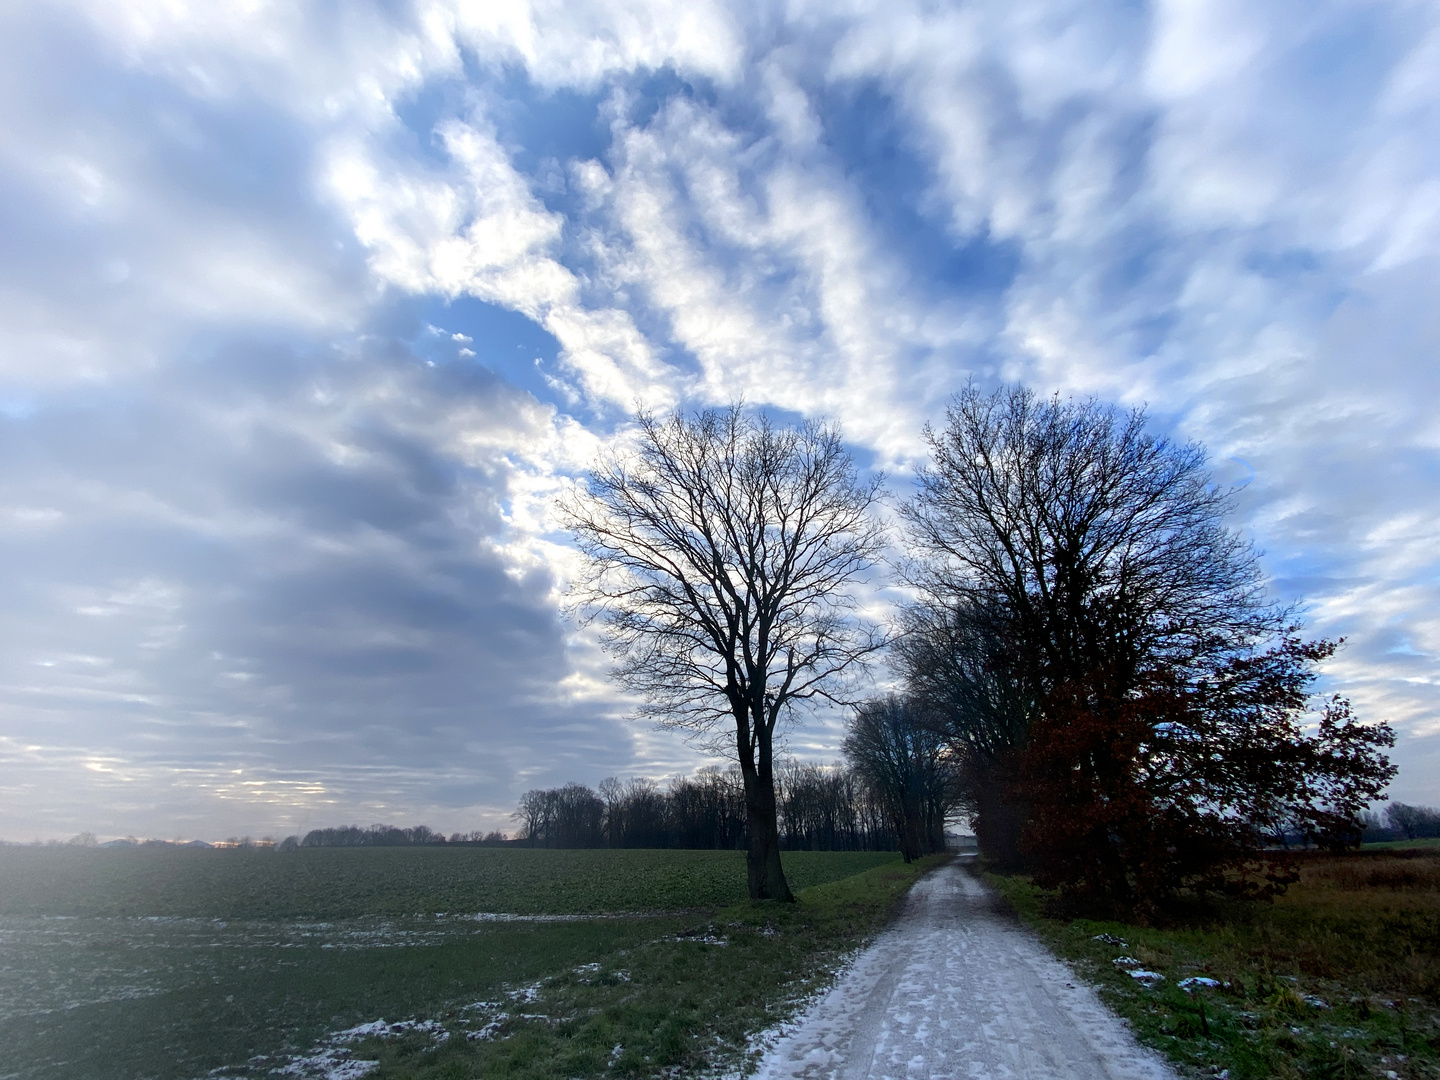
(385, 836)
(1400, 821)
(819, 808)
(1092, 661)
(893, 792)
(822, 808)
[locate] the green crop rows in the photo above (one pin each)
(338, 883)
(169, 964)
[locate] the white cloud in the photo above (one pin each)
(477, 229)
(580, 44)
(230, 452)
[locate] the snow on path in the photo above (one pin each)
(956, 988)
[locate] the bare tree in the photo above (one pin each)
(1414, 821)
(906, 763)
(722, 555)
(1101, 546)
(533, 816)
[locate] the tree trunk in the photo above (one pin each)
(999, 820)
(910, 829)
(766, 875)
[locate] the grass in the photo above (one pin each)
(1338, 978)
(679, 1004)
(1431, 842)
(171, 964)
(176, 1001)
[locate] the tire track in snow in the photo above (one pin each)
(956, 989)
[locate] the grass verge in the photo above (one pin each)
(1338, 978)
(684, 1003)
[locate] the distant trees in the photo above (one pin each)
(569, 816)
(1097, 643)
(832, 809)
(820, 808)
(722, 552)
(1414, 822)
(370, 836)
(386, 836)
(908, 766)
(706, 810)
(493, 838)
(636, 813)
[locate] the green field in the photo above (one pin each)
(171, 963)
(1405, 845)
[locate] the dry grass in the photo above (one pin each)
(1370, 921)
(1415, 871)
(1339, 977)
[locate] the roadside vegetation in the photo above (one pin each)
(1338, 977)
(692, 1002)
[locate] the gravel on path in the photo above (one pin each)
(956, 987)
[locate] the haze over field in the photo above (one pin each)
(307, 311)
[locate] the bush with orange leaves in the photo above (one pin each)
(1179, 786)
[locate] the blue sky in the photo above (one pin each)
(308, 310)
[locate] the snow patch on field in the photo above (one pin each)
(509, 917)
(1146, 978)
(334, 1060)
(328, 1065)
(1198, 982)
(760, 1044)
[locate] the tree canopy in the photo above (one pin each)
(722, 552)
(1092, 663)
(1132, 705)
(906, 762)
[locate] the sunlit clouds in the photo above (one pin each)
(307, 313)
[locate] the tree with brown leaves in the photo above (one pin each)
(1099, 642)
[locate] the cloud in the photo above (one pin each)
(1225, 213)
(278, 554)
(297, 574)
(477, 229)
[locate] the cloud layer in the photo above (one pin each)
(305, 313)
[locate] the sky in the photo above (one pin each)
(308, 311)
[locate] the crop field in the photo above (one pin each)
(1431, 842)
(180, 964)
(1340, 977)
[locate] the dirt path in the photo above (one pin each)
(958, 989)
